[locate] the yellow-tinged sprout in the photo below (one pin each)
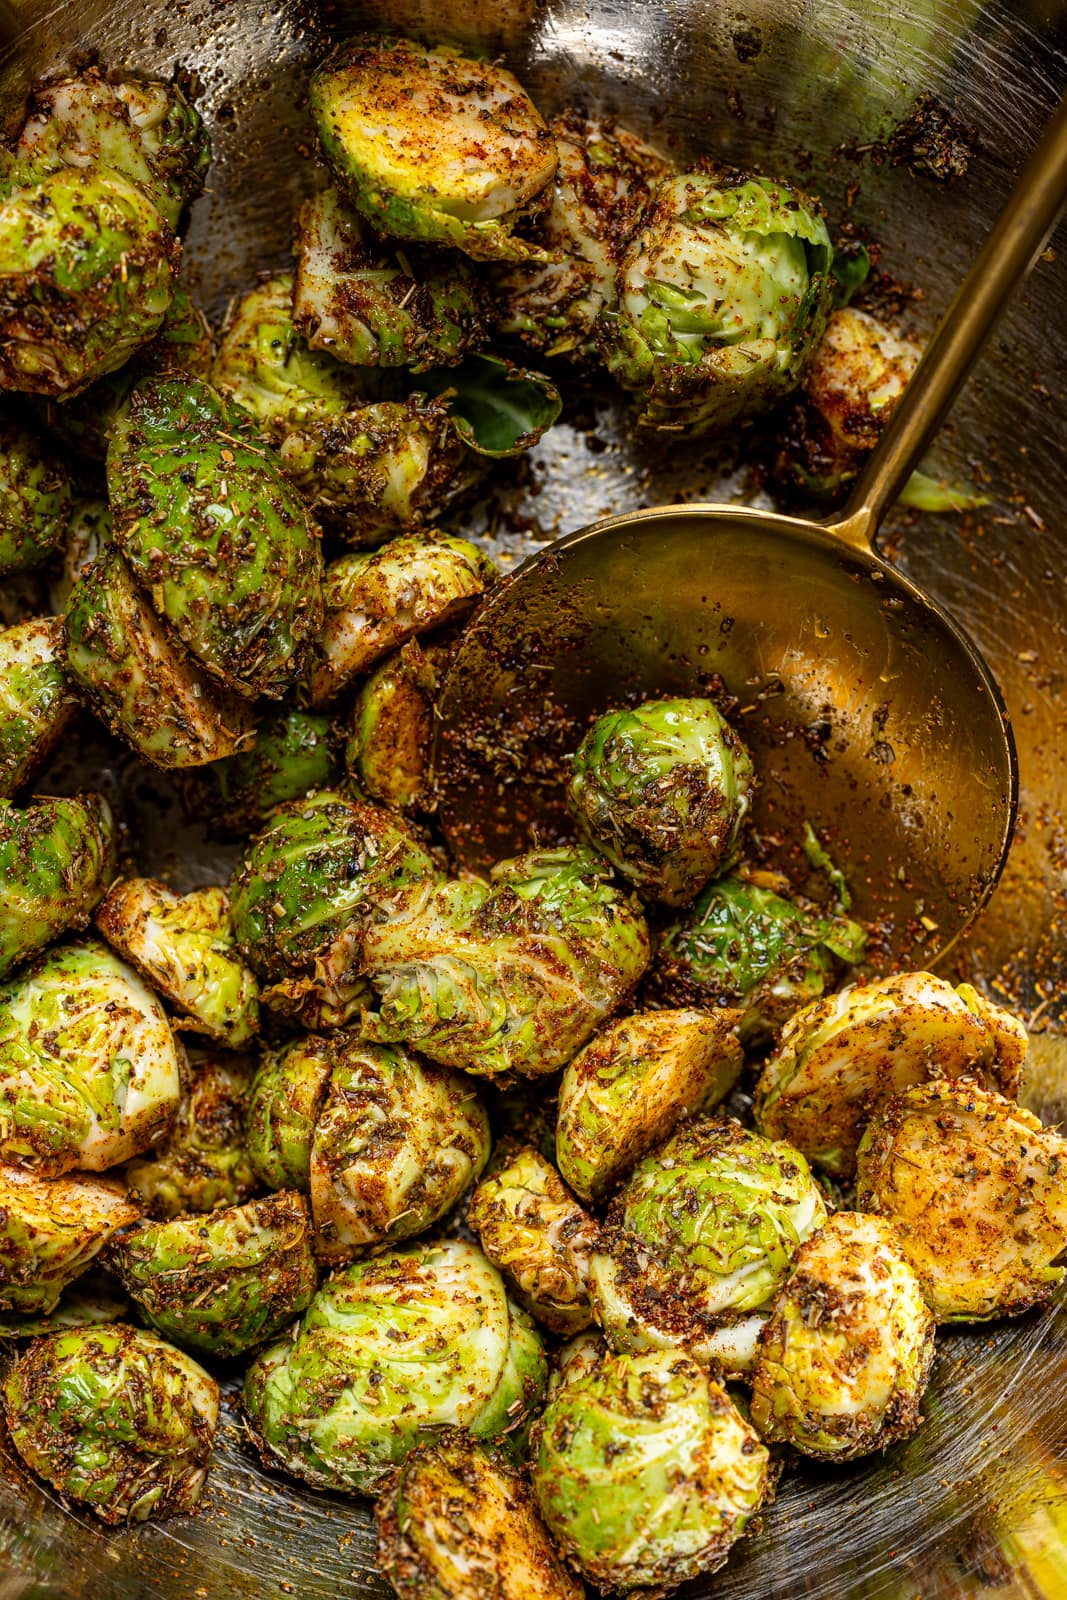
(623, 1094)
(845, 1357)
(977, 1190)
(537, 1234)
(50, 1230)
(36, 705)
(842, 1059)
(204, 1162)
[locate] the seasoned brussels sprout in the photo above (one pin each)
(90, 1072)
(215, 535)
(458, 1523)
(644, 1469)
(372, 305)
(50, 1230)
(723, 295)
(843, 1058)
(392, 725)
(87, 267)
(36, 705)
(139, 680)
(623, 1094)
(430, 144)
(537, 1234)
(390, 1352)
(183, 944)
(90, 1300)
(292, 755)
(376, 600)
(602, 185)
(975, 1187)
(36, 497)
(57, 858)
(287, 1094)
(743, 945)
(511, 976)
(114, 1418)
(89, 531)
(222, 1283)
(846, 1355)
(204, 1162)
(662, 791)
(302, 895)
(703, 1234)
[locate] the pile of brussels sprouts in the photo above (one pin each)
(446, 1164)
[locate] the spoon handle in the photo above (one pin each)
(1010, 251)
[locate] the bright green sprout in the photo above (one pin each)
(292, 756)
(57, 858)
(36, 705)
(36, 496)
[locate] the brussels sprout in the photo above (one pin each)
(623, 1094)
(741, 944)
(286, 1096)
(89, 1069)
(183, 944)
(537, 1234)
(662, 791)
(390, 1352)
(114, 1418)
(90, 1300)
(644, 1470)
(36, 705)
(36, 498)
(86, 273)
(603, 183)
(57, 858)
(87, 535)
(512, 976)
(392, 725)
(215, 536)
(458, 1523)
(265, 365)
(204, 1162)
(843, 1058)
(975, 1187)
(497, 408)
(723, 295)
(372, 305)
(430, 144)
(50, 1229)
(139, 680)
(703, 1234)
(301, 897)
(846, 1354)
(293, 754)
(222, 1283)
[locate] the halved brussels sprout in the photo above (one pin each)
(975, 1187)
(459, 1523)
(215, 536)
(292, 755)
(139, 680)
(90, 1072)
(537, 1234)
(87, 534)
(623, 1094)
(87, 267)
(603, 183)
(226, 1282)
(644, 1470)
(431, 144)
(376, 600)
(371, 304)
(57, 858)
(50, 1230)
(510, 976)
(663, 791)
(204, 1162)
(703, 1234)
(723, 295)
(392, 726)
(302, 896)
(842, 1059)
(114, 1418)
(741, 944)
(36, 705)
(390, 1352)
(283, 1107)
(183, 944)
(36, 496)
(845, 1357)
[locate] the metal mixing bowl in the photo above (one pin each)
(975, 1505)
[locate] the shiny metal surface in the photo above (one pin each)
(975, 1505)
